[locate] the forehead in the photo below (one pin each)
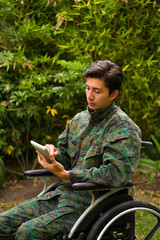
(95, 83)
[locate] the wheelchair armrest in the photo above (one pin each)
(146, 144)
(83, 186)
(43, 174)
(38, 173)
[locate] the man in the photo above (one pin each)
(100, 145)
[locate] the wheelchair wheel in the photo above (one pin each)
(120, 222)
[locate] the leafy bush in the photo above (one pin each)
(2, 172)
(46, 45)
(37, 109)
(150, 160)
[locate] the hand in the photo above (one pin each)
(55, 167)
(52, 150)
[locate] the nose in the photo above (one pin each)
(90, 95)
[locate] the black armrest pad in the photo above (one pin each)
(93, 186)
(147, 144)
(38, 173)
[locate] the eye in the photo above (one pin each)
(87, 88)
(97, 91)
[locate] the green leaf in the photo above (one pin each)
(156, 143)
(2, 172)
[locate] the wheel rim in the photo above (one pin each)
(151, 211)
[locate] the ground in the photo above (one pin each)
(17, 190)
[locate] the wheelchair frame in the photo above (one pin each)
(111, 216)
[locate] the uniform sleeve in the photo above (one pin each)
(120, 157)
(63, 156)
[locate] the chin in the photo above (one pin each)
(92, 107)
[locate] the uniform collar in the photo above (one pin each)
(102, 113)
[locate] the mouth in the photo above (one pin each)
(91, 103)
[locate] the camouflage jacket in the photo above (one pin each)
(108, 144)
(101, 147)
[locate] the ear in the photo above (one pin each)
(114, 94)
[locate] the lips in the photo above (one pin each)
(91, 103)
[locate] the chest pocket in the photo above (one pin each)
(93, 157)
(72, 149)
(120, 142)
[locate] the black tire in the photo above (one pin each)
(121, 218)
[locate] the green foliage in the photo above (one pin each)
(151, 161)
(2, 172)
(144, 224)
(46, 45)
(25, 115)
(71, 87)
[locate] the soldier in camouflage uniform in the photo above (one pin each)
(100, 145)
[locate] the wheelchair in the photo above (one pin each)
(111, 216)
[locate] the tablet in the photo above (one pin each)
(42, 149)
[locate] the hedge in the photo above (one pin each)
(45, 46)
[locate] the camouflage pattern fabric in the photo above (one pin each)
(97, 146)
(35, 219)
(107, 141)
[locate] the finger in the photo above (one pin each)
(52, 150)
(41, 159)
(55, 152)
(41, 155)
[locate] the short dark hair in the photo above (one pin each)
(108, 71)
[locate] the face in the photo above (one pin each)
(97, 94)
